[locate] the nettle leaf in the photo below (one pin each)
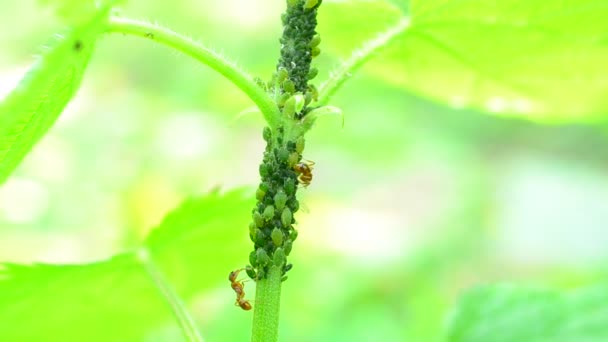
(77, 11)
(194, 248)
(33, 106)
(544, 60)
(513, 313)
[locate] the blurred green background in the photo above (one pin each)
(412, 202)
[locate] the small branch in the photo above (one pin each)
(267, 305)
(357, 59)
(205, 55)
(183, 318)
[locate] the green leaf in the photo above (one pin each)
(33, 106)
(205, 230)
(512, 313)
(79, 302)
(76, 12)
(543, 60)
(195, 248)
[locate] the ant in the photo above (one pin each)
(304, 171)
(239, 288)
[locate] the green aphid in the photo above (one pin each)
(315, 51)
(292, 2)
(260, 237)
(280, 199)
(300, 144)
(261, 274)
(253, 259)
(313, 73)
(307, 98)
(252, 229)
(290, 187)
(264, 170)
(293, 159)
(251, 272)
(268, 213)
(313, 91)
(289, 108)
(267, 134)
(277, 237)
(287, 247)
(258, 219)
(295, 206)
(308, 4)
(293, 235)
(283, 98)
(315, 41)
(282, 75)
(289, 86)
(262, 256)
(259, 194)
(283, 155)
(279, 258)
(286, 217)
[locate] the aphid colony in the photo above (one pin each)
(299, 44)
(282, 169)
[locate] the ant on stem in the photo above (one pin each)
(239, 289)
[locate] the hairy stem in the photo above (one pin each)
(357, 59)
(205, 55)
(179, 310)
(267, 301)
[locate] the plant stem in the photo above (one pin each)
(205, 55)
(183, 318)
(267, 304)
(357, 59)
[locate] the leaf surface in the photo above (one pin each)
(195, 247)
(543, 60)
(34, 105)
(513, 313)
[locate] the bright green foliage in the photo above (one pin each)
(32, 108)
(116, 300)
(544, 60)
(79, 302)
(209, 222)
(77, 11)
(510, 313)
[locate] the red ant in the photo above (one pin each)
(239, 288)
(304, 171)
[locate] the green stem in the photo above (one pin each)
(357, 59)
(205, 55)
(183, 318)
(267, 304)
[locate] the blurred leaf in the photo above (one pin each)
(541, 60)
(77, 11)
(115, 300)
(208, 229)
(79, 302)
(513, 313)
(345, 25)
(31, 109)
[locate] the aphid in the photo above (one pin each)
(308, 4)
(304, 171)
(239, 289)
(314, 92)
